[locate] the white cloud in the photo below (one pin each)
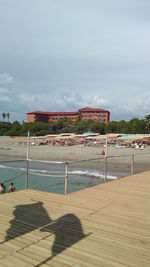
(26, 99)
(4, 91)
(104, 45)
(133, 107)
(67, 101)
(5, 99)
(6, 79)
(138, 105)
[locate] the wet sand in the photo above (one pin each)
(14, 148)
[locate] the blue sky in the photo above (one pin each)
(62, 55)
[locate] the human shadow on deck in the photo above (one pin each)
(27, 218)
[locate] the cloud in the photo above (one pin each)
(65, 55)
(93, 100)
(18, 103)
(138, 105)
(66, 100)
(133, 107)
(27, 100)
(5, 99)
(6, 79)
(4, 91)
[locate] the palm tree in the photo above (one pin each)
(8, 115)
(147, 119)
(4, 116)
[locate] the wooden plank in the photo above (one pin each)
(107, 225)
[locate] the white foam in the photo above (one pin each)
(87, 173)
(14, 168)
(92, 174)
(3, 167)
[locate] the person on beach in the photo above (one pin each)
(11, 188)
(2, 188)
(102, 153)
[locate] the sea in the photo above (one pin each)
(50, 177)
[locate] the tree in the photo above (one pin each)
(4, 116)
(147, 119)
(124, 127)
(112, 127)
(8, 115)
(137, 126)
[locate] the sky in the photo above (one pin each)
(63, 55)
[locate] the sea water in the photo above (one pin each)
(49, 178)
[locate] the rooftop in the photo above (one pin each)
(52, 113)
(69, 112)
(92, 109)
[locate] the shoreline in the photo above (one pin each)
(12, 149)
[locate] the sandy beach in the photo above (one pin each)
(16, 148)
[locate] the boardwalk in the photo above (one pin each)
(106, 225)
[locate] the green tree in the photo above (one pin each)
(112, 127)
(4, 116)
(147, 117)
(8, 115)
(4, 128)
(147, 120)
(123, 127)
(137, 126)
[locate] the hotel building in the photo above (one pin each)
(83, 114)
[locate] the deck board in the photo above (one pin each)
(105, 225)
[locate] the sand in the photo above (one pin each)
(16, 148)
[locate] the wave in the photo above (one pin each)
(21, 169)
(94, 174)
(3, 167)
(14, 168)
(85, 173)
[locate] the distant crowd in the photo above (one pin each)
(10, 189)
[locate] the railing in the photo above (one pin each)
(66, 164)
(17, 176)
(105, 158)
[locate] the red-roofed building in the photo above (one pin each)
(96, 114)
(83, 114)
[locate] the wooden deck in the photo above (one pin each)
(105, 225)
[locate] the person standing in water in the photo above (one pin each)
(2, 188)
(11, 188)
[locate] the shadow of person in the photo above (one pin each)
(27, 218)
(68, 231)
